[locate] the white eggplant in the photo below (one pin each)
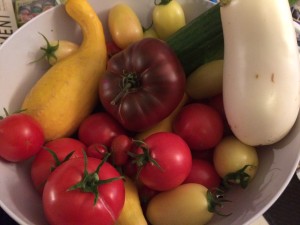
(261, 78)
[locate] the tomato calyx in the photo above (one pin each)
(130, 82)
(216, 199)
(224, 2)
(91, 181)
(49, 50)
(56, 159)
(6, 113)
(162, 2)
(143, 158)
(239, 177)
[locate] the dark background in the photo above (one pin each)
(285, 211)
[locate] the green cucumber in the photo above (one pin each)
(200, 41)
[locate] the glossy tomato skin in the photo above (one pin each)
(200, 125)
(155, 80)
(203, 172)
(120, 147)
(21, 137)
(44, 163)
(76, 207)
(97, 151)
(174, 158)
(99, 128)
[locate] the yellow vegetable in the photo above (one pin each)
(186, 204)
(150, 33)
(168, 17)
(68, 91)
(206, 81)
(131, 213)
(124, 25)
(166, 124)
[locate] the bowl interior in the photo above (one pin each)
(18, 197)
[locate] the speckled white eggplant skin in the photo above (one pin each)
(261, 82)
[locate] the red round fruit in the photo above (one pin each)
(199, 125)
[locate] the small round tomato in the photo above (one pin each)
(55, 51)
(99, 128)
(21, 137)
(235, 161)
(204, 173)
(165, 161)
(168, 17)
(45, 162)
(120, 147)
(188, 199)
(199, 125)
(124, 25)
(97, 151)
(112, 48)
(80, 192)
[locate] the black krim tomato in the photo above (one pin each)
(143, 84)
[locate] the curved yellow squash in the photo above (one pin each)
(68, 91)
(132, 213)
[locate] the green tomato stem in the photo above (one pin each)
(162, 2)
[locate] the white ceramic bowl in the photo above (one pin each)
(17, 196)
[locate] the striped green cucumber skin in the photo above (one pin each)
(200, 41)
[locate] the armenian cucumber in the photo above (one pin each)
(200, 41)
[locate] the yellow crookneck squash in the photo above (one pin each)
(68, 91)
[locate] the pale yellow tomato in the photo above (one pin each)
(150, 33)
(168, 17)
(186, 204)
(206, 81)
(56, 50)
(231, 156)
(124, 25)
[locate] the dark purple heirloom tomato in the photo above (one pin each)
(143, 84)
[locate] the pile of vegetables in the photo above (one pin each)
(156, 121)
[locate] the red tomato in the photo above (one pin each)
(217, 103)
(112, 48)
(99, 128)
(206, 155)
(63, 205)
(44, 162)
(130, 169)
(199, 125)
(21, 137)
(204, 173)
(97, 151)
(173, 156)
(120, 147)
(145, 194)
(143, 84)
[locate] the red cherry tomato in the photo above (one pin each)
(120, 147)
(166, 160)
(94, 202)
(112, 48)
(204, 173)
(199, 125)
(21, 137)
(97, 151)
(99, 128)
(44, 162)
